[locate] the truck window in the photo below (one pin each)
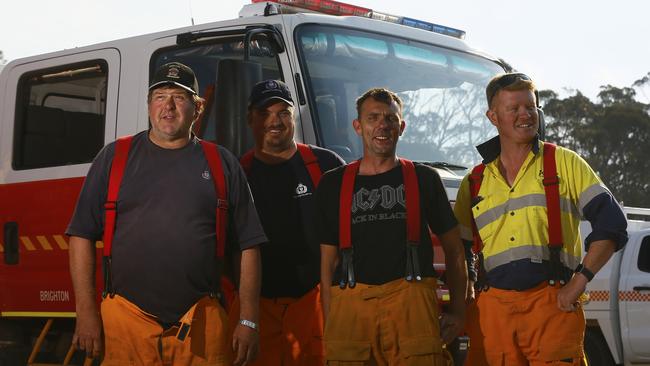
(443, 91)
(225, 81)
(60, 115)
(644, 255)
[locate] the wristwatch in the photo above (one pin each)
(248, 323)
(585, 272)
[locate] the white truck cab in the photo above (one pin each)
(57, 110)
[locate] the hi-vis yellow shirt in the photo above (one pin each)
(512, 221)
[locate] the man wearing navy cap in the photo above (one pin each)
(283, 175)
(160, 304)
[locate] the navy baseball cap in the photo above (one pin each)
(175, 73)
(268, 90)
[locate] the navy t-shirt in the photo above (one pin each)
(163, 256)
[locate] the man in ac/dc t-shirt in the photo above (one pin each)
(373, 315)
(283, 176)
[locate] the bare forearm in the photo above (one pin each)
(455, 269)
(249, 284)
(329, 255)
(82, 272)
(599, 253)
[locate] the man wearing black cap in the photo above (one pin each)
(160, 305)
(283, 175)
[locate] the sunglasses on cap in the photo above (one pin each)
(504, 81)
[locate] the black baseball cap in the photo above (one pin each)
(267, 90)
(175, 73)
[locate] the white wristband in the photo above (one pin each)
(248, 323)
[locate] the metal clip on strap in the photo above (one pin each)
(412, 262)
(108, 283)
(555, 266)
(347, 269)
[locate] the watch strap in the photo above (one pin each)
(584, 271)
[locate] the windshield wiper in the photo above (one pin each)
(444, 164)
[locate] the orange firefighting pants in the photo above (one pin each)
(134, 337)
(523, 328)
(291, 330)
(392, 324)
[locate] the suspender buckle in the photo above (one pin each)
(110, 205)
(551, 181)
(108, 282)
(222, 204)
(555, 271)
(347, 269)
(412, 262)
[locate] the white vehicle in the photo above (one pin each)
(618, 310)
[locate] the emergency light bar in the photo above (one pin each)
(332, 7)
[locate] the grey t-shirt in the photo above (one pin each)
(163, 256)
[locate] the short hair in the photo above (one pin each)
(379, 94)
(509, 81)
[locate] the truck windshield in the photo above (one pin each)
(443, 92)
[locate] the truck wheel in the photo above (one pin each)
(596, 348)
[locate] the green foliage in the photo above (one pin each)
(613, 135)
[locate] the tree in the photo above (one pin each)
(2, 59)
(613, 135)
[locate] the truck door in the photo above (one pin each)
(634, 298)
(57, 113)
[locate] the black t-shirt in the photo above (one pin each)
(163, 256)
(379, 221)
(283, 196)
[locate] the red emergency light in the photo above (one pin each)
(332, 7)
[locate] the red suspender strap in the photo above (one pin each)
(552, 190)
(246, 161)
(311, 163)
(122, 147)
(475, 180)
(412, 201)
(345, 205)
(216, 169)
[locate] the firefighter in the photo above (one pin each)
(283, 176)
(160, 304)
(520, 211)
(377, 281)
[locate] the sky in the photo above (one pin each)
(564, 45)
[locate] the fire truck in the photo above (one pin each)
(59, 109)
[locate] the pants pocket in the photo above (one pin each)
(422, 351)
(347, 353)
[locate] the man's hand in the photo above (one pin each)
(245, 345)
(88, 333)
(567, 296)
(450, 326)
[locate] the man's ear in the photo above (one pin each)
(492, 116)
(357, 127)
(402, 126)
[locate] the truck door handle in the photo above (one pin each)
(641, 288)
(11, 242)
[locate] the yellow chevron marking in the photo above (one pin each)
(27, 243)
(99, 244)
(44, 243)
(60, 241)
(38, 314)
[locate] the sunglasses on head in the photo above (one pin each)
(505, 81)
